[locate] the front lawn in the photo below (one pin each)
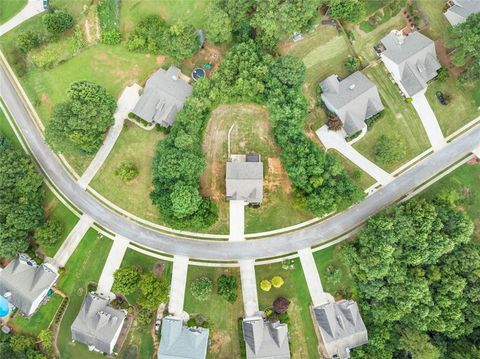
(437, 22)
(40, 320)
(252, 133)
(323, 52)
(303, 340)
(361, 178)
(55, 209)
(133, 11)
(10, 8)
(84, 266)
(461, 109)
(221, 315)
(137, 146)
(6, 130)
(399, 122)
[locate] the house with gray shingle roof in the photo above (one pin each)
(181, 342)
(244, 178)
(26, 284)
(98, 325)
(264, 339)
(353, 99)
(163, 96)
(411, 60)
(341, 328)
(460, 10)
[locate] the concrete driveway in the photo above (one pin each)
(335, 140)
(429, 121)
(114, 260)
(177, 287)
(32, 8)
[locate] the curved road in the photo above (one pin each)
(224, 251)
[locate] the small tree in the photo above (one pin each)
(443, 74)
(389, 149)
(334, 124)
(227, 288)
(265, 285)
(57, 22)
(277, 281)
(144, 316)
(50, 232)
(153, 291)
(280, 305)
(27, 40)
(352, 64)
(126, 280)
(334, 274)
(127, 171)
(45, 336)
(201, 288)
(347, 10)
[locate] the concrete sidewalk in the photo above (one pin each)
(32, 8)
(177, 287)
(312, 277)
(72, 241)
(249, 288)
(113, 262)
(429, 121)
(335, 140)
(127, 101)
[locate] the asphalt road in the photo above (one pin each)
(219, 250)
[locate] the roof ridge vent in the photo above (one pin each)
(351, 87)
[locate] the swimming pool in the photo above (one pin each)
(4, 307)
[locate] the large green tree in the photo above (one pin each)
(465, 38)
(417, 274)
(219, 25)
(20, 199)
(347, 10)
(126, 280)
(80, 123)
(153, 291)
(181, 41)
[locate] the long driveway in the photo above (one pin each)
(218, 250)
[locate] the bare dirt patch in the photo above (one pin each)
(160, 60)
(276, 176)
(219, 340)
(46, 100)
(91, 28)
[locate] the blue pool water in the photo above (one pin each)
(4, 310)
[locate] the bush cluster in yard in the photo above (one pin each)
(50, 232)
(201, 288)
(57, 21)
(389, 149)
(109, 23)
(153, 35)
(127, 171)
(247, 74)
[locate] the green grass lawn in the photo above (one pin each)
(40, 319)
(138, 146)
(6, 130)
(85, 265)
(139, 335)
(9, 8)
(133, 11)
(433, 13)
(361, 178)
(464, 181)
(303, 340)
(57, 210)
(252, 133)
(221, 315)
(330, 257)
(462, 106)
(400, 121)
(323, 52)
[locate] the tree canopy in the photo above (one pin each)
(347, 10)
(21, 198)
(80, 123)
(153, 291)
(126, 280)
(465, 38)
(417, 275)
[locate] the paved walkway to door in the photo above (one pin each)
(312, 277)
(177, 287)
(114, 260)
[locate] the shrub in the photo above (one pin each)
(201, 288)
(191, 322)
(227, 288)
(352, 64)
(371, 120)
(280, 305)
(148, 35)
(108, 19)
(57, 22)
(49, 233)
(127, 171)
(126, 280)
(277, 281)
(265, 285)
(389, 149)
(111, 37)
(443, 74)
(334, 274)
(27, 40)
(144, 316)
(334, 124)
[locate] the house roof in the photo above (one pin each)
(341, 327)
(26, 281)
(180, 342)
(415, 58)
(244, 180)
(461, 10)
(97, 323)
(163, 96)
(265, 340)
(354, 99)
